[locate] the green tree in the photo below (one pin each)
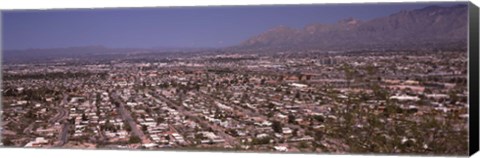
(84, 117)
(260, 141)
(277, 126)
(134, 140)
(7, 142)
(291, 119)
(303, 145)
(160, 120)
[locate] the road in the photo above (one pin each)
(220, 131)
(63, 137)
(128, 118)
(61, 117)
(62, 111)
(29, 128)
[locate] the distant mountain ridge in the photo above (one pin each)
(429, 27)
(432, 27)
(45, 54)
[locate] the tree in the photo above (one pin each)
(318, 135)
(7, 142)
(262, 82)
(197, 87)
(270, 105)
(319, 118)
(232, 132)
(160, 120)
(371, 70)
(453, 96)
(84, 117)
(127, 127)
(288, 92)
(309, 77)
(270, 114)
(109, 126)
(303, 145)
(349, 73)
(260, 141)
(30, 115)
(134, 140)
(291, 118)
(295, 132)
(277, 126)
(297, 95)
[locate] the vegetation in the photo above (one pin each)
(260, 141)
(134, 140)
(7, 142)
(404, 133)
(277, 126)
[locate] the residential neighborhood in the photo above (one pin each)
(291, 101)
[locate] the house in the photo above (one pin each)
(263, 135)
(437, 96)
(38, 142)
(286, 130)
(46, 131)
(22, 102)
(281, 148)
(178, 138)
(281, 117)
(405, 98)
(149, 145)
(298, 85)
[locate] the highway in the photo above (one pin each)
(127, 117)
(61, 117)
(63, 134)
(62, 112)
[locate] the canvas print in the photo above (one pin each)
(373, 78)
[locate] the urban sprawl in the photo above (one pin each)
(335, 102)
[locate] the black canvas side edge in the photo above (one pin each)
(473, 66)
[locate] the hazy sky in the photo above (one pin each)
(172, 27)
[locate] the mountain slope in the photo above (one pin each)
(430, 27)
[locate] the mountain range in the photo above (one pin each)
(429, 27)
(433, 27)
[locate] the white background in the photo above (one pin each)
(53, 153)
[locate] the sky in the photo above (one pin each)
(167, 27)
